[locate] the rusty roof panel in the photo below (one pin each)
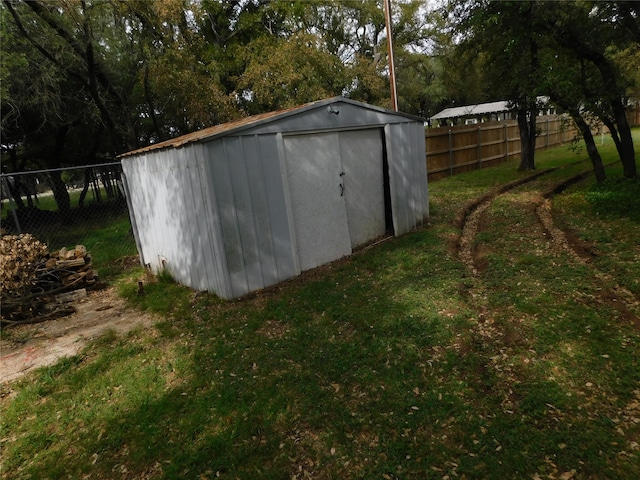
(243, 123)
(204, 133)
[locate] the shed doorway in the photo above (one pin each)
(337, 187)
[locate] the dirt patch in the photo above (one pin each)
(553, 233)
(584, 249)
(466, 247)
(24, 348)
(481, 251)
(619, 301)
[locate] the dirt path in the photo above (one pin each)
(24, 348)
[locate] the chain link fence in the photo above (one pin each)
(73, 206)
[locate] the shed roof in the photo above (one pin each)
(478, 109)
(253, 121)
(482, 108)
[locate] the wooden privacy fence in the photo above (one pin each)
(462, 148)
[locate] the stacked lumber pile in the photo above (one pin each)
(35, 282)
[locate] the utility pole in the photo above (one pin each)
(392, 68)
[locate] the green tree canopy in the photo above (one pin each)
(582, 54)
(133, 73)
(84, 79)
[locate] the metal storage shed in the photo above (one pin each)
(238, 207)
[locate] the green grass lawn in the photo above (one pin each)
(393, 363)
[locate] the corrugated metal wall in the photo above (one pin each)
(253, 219)
(362, 162)
(217, 224)
(408, 177)
(313, 167)
(175, 216)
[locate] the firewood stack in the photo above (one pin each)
(33, 280)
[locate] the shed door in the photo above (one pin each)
(362, 161)
(318, 208)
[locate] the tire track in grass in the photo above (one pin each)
(472, 215)
(615, 296)
(505, 368)
(484, 334)
(495, 339)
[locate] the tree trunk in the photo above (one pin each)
(15, 191)
(85, 187)
(30, 188)
(152, 108)
(29, 199)
(626, 149)
(107, 182)
(527, 128)
(625, 145)
(60, 193)
(613, 131)
(592, 150)
(533, 134)
(15, 185)
(97, 196)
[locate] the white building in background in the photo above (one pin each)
(482, 112)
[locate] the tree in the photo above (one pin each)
(71, 43)
(179, 86)
(567, 82)
(595, 33)
(585, 43)
(85, 79)
(282, 73)
(511, 59)
(37, 118)
(421, 90)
